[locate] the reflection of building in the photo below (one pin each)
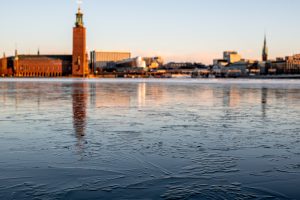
(141, 94)
(99, 59)
(111, 97)
(234, 97)
(79, 97)
(264, 101)
(51, 65)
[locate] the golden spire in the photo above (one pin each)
(79, 2)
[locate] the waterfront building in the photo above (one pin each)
(51, 65)
(183, 69)
(101, 59)
(183, 65)
(293, 64)
(289, 65)
(231, 56)
(3, 65)
(37, 65)
(126, 64)
(153, 62)
(254, 68)
(113, 62)
(220, 62)
(237, 69)
(265, 51)
(42, 66)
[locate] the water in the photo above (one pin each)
(149, 139)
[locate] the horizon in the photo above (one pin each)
(155, 32)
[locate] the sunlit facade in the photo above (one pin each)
(101, 59)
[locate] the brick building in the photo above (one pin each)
(3, 65)
(51, 65)
(42, 65)
(293, 64)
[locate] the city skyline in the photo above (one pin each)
(176, 30)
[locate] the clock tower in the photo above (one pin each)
(80, 57)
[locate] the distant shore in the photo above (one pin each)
(275, 77)
(111, 77)
(96, 78)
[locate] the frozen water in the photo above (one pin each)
(149, 139)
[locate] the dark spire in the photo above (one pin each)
(265, 50)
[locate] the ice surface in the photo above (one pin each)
(149, 139)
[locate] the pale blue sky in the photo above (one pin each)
(192, 30)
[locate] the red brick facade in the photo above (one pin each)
(80, 61)
(80, 57)
(3, 66)
(38, 67)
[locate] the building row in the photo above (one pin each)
(232, 65)
(77, 64)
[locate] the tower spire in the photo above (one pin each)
(265, 50)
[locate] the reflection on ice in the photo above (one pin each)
(79, 99)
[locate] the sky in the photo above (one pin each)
(178, 30)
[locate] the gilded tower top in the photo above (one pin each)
(79, 16)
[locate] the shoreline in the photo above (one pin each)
(208, 81)
(165, 78)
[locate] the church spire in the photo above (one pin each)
(265, 50)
